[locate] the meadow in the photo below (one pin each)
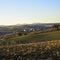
(42, 46)
(32, 38)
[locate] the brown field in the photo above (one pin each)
(49, 50)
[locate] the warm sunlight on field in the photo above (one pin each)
(49, 50)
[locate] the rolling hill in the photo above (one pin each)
(36, 37)
(42, 46)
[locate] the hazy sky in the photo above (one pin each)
(29, 11)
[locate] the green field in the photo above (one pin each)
(36, 37)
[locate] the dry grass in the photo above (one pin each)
(49, 50)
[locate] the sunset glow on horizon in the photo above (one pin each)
(29, 11)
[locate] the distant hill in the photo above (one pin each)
(19, 27)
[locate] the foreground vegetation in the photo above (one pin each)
(49, 50)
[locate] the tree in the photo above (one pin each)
(56, 26)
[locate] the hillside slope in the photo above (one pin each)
(48, 50)
(44, 46)
(36, 37)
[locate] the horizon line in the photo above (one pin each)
(29, 23)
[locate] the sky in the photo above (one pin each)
(29, 11)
